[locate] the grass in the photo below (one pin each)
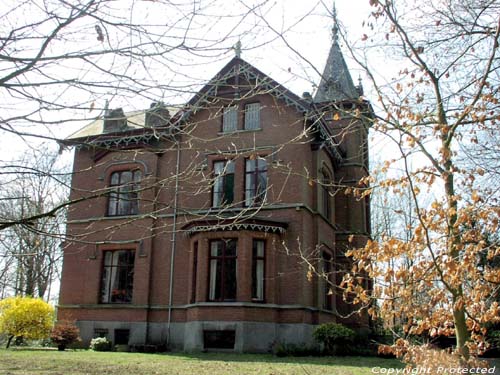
(80, 362)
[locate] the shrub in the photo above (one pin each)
(100, 344)
(64, 333)
(334, 337)
(25, 318)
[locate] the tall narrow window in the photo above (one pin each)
(223, 191)
(326, 206)
(255, 181)
(222, 281)
(117, 276)
(327, 279)
(258, 270)
(252, 116)
(230, 118)
(194, 275)
(123, 199)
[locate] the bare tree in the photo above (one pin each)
(31, 252)
(61, 62)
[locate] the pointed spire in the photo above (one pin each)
(336, 82)
(335, 27)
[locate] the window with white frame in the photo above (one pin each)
(223, 190)
(117, 276)
(222, 279)
(258, 269)
(255, 181)
(124, 197)
(230, 119)
(252, 116)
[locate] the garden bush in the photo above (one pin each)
(100, 344)
(336, 339)
(25, 318)
(64, 333)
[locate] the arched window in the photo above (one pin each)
(124, 196)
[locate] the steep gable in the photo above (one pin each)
(243, 79)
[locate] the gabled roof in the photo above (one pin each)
(238, 67)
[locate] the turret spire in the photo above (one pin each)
(336, 82)
(335, 27)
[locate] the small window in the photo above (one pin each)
(230, 119)
(223, 339)
(222, 279)
(255, 181)
(326, 205)
(194, 275)
(121, 336)
(223, 190)
(123, 199)
(258, 269)
(117, 276)
(252, 116)
(327, 280)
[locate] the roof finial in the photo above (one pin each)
(237, 49)
(335, 28)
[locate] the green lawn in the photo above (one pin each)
(37, 362)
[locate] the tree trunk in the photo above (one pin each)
(461, 332)
(9, 341)
(454, 239)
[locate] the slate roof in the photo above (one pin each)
(336, 82)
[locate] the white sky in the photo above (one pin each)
(287, 40)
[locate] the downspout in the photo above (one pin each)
(152, 252)
(173, 244)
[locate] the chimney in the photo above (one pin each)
(157, 115)
(114, 121)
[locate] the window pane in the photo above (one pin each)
(108, 256)
(216, 248)
(126, 177)
(228, 193)
(252, 116)
(230, 278)
(258, 248)
(255, 181)
(115, 178)
(230, 248)
(215, 277)
(258, 270)
(223, 190)
(117, 276)
(125, 199)
(229, 166)
(230, 119)
(222, 279)
(262, 184)
(250, 165)
(137, 176)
